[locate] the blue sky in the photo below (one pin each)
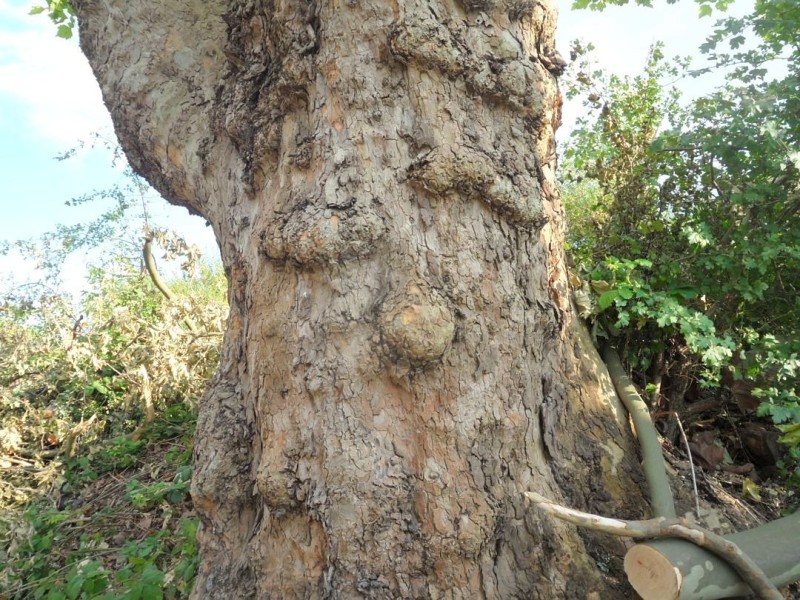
(49, 101)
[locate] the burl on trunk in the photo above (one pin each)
(402, 362)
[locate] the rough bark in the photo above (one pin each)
(401, 362)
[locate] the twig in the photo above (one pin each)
(691, 463)
(150, 264)
(69, 441)
(53, 574)
(18, 461)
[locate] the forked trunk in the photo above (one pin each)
(402, 361)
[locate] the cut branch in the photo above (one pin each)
(695, 573)
(657, 579)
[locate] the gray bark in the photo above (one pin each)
(401, 362)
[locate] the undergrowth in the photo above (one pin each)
(97, 416)
(115, 523)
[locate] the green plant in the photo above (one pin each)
(128, 356)
(146, 497)
(706, 7)
(61, 14)
(685, 219)
(90, 544)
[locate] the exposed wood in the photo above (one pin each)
(661, 499)
(656, 566)
(651, 574)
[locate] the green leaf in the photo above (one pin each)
(687, 293)
(791, 434)
(150, 581)
(64, 31)
(74, 586)
(37, 10)
(625, 293)
(607, 299)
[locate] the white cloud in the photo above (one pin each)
(49, 77)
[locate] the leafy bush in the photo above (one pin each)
(122, 380)
(130, 536)
(685, 221)
(97, 408)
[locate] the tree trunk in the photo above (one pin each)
(401, 362)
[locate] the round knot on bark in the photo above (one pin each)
(417, 324)
(315, 235)
(276, 490)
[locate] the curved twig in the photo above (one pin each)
(152, 270)
(150, 265)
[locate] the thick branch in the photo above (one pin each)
(747, 569)
(652, 459)
(656, 566)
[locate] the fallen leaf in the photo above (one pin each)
(601, 287)
(705, 447)
(751, 490)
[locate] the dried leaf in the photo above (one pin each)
(601, 287)
(583, 302)
(705, 447)
(574, 280)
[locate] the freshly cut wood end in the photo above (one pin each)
(651, 574)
